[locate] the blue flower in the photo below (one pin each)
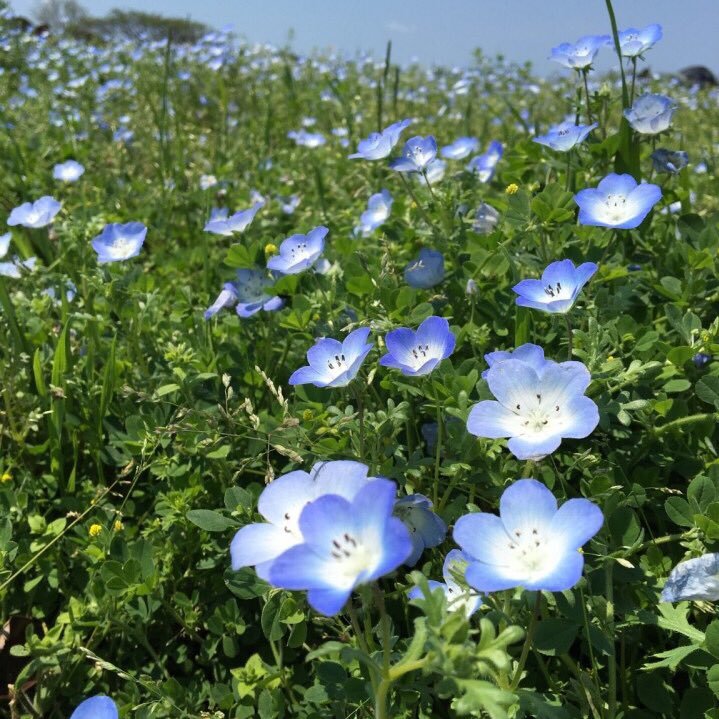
(633, 42)
(530, 354)
(433, 173)
(531, 544)
(35, 214)
(485, 219)
(380, 144)
(485, 165)
(248, 293)
(671, 161)
(289, 204)
(558, 289)
(427, 530)
(535, 409)
(98, 707)
(252, 295)
(220, 224)
(119, 242)
(417, 153)
(281, 503)
(565, 136)
(459, 598)
(462, 147)
(650, 114)
(333, 363)
(693, 579)
(426, 271)
(379, 206)
(345, 544)
(418, 353)
(307, 139)
(701, 359)
(579, 55)
(299, 252)
(618, 202)
(69, 171)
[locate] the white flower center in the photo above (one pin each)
(616, 207)
(554, 292)
(531, 551)
(352, 558)
(337, 364)
(536, 418)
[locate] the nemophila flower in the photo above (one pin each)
(633, 42)
(426, 271)
(426, 529)
(35, 214)
(281, 503)
(671, 161)
(693, 579)
(701, 359)
(15, 267)
(471, 288)
(380, 144)
(119, 242)
(535, 409)
(650, 114)
(417, 153)
(377, 212)
(70, 291)
(299, 252)
(531, 544)
(221, 224)
(207, 181)
(459, 598)
(433, 173)
(345, 544)
(5, 244)
(530, 354)
(416, 353)
(307, 139)
(618, 201)
(69, 171)
(558, 289)
(462, 147)
(98, 707)
(289, 204)
(565, 136)
(333, 363)
(485, 165)
(579, 55)
(248, 293)
(485, 219)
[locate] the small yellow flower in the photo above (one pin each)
(118, 526)
(512, 188)
(6, 477)
(610, 358)
(308, 415)
(316, 316)
(270, 249)
(95, 529)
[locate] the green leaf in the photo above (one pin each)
(555, 636)
(210, 521)
(711, 638)
(679, 511)
(707, 389)
(166, 389)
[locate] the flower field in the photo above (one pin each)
(334, 387)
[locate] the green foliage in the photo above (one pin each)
(135, 436)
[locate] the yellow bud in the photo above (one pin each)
(118, 526)
(307, 415)
(95, 529)
(316, 317)
(6, 477)
(512, 188)
(610, 358)
(270, 248)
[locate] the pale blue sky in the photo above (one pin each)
(446, 31)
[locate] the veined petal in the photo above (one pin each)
(258, 543)
(526, 505)
(576, 522)
(492, 420)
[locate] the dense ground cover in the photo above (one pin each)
(138, 429)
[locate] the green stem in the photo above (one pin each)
(612, 659)
(570, 339)
(684, 421)
(617, 47)
(421, 207)
(438, 453)
(634, 78)
(585, 72)
(527, 643)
